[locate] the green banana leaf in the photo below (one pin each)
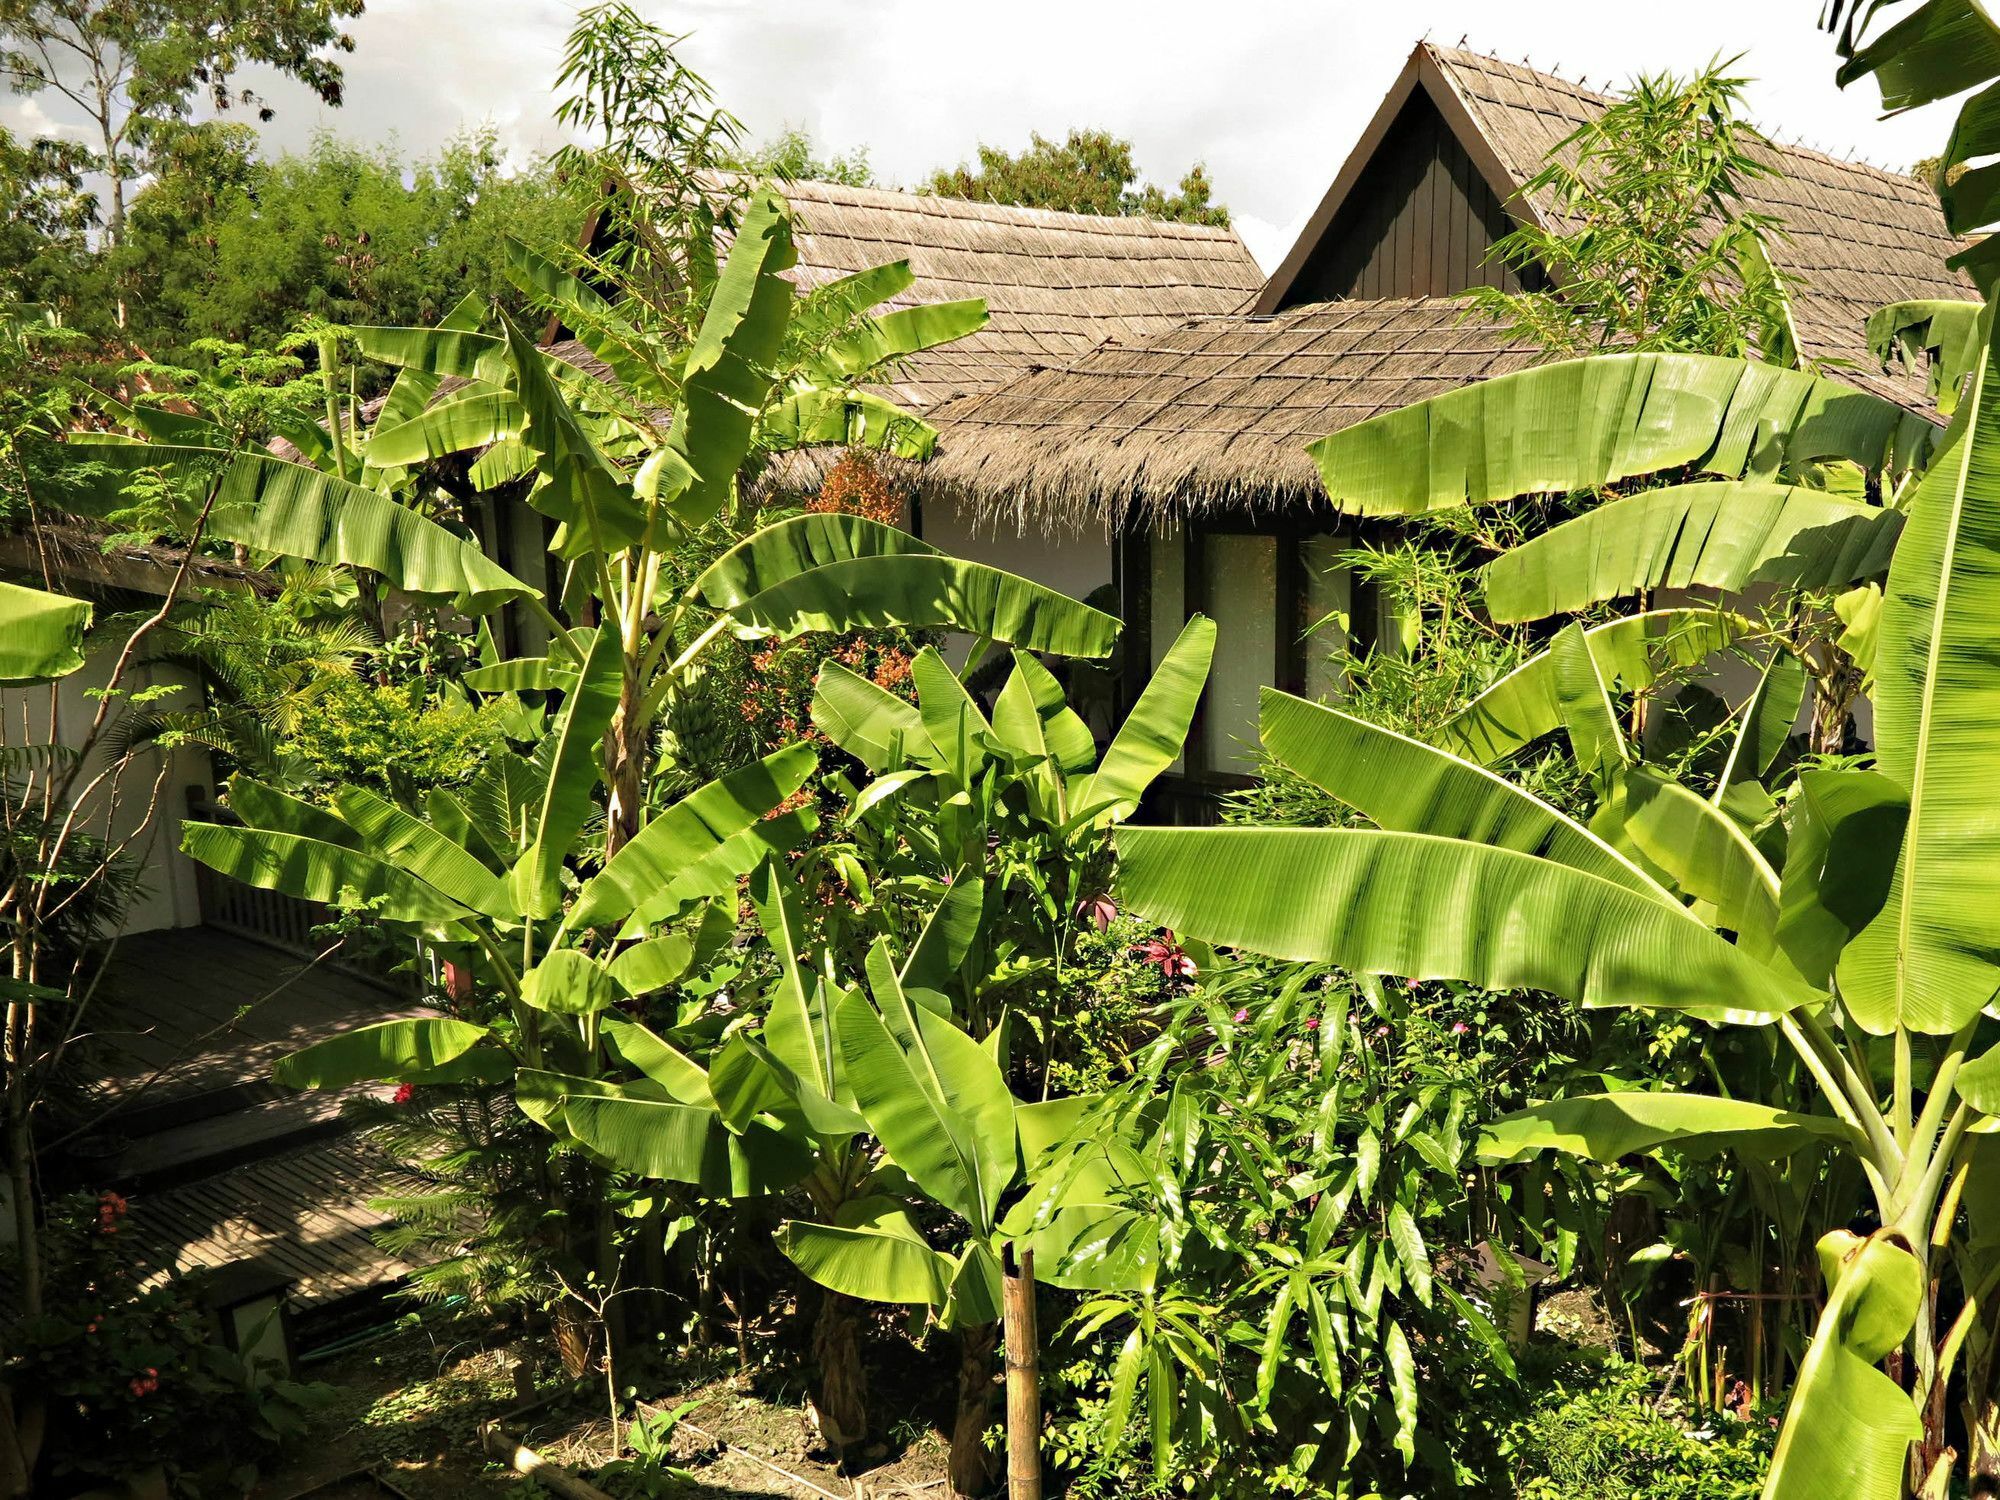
(263, 806)
(389, 1051)
(693, 828)
(1708, 854)
(726, 378)
(769, 556)
(1407, 786)
(892, 335)
(713, 877)
(1631, 652)
(1423, 907)
(576, 483)
(416, 847)
(1032, 716)
(569, 983)
(1945, 337)
(883, 1259)
(674, 1142)
(1927, 961)
(870, 723)
(1606, 1127)
(1849, 1427)
(837, 417)
(446, 350)
(929, 592)
(936, 1101)
(1153, 733)
(973, 1299)
(596, 324)
(1765, 721)
(673, 1070)
(41, 634)
(1846, 829)
(1725, 535)
(411, 391)
(1587, 423)
(952, 721)
(269, 505)
(462, 424)
(574, 768)
(317, 871)
(1584, 702)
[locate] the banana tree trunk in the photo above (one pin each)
(624, 763)
(970, 1468)
(842, 1399)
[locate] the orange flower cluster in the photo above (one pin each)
(855, 487)
(110, 1209)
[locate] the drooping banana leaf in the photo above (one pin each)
(834, 416)
(1632, 653)
(415, 846)
(769, 556)
(441, 351)
(690, 830)
(1708, 854)
(883, 1258)
(411, 391)
(686, 1143)
(41, 634)
(1846, 827)
(1930, 959)
(888, 336)
(596, 324)
(1945, 337)
(1423, 907)
(1606, 1127)
(1848, 1427)
(929, 592)
(1407, 786)
(316, 871)
(1724, 534)
(570, 983)
(392, 1051)
(461, 424)
(726, 378)
(1153, 733)
(1587, 423)
(269, 505)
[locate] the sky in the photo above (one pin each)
(1269, 94)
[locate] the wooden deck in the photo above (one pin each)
(303, 1213)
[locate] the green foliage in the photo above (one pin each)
(1089, 172)
(135, 1384)
(395, 739)
(793, 156)
(1597, 1427)
(1650, 244)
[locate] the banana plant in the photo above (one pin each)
(1013, 803)
(1871, 940)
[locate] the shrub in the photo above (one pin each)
(393, 739)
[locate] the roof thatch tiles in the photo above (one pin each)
(1854, 236)
(1217, 412)
(1055, 284)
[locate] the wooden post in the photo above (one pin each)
(1024, 1392)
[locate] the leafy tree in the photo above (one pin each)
(1091, 172)
(135, 66)
(45, 215)
(792, 156)
(1652, 245)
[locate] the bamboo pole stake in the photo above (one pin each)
(1024, 1393)
(525, 1460)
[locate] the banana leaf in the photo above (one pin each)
(317, 871)
(769, 556)
(1722, 535)
(1606, 1127)
(1930, 959)
(837, 417)
(1587, 423)
(685, 1143)
(390, 1051)
(1407, 786)
(881, 1259)
(41, 634)
(1631, 652)
(1946, 337)
(573, 768)
(1422, 907)
(870, 723)
(1153, 733)
(1708, 854)
(461, 424)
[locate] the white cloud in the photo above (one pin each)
(1269, 93)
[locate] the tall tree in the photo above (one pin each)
(132, 66)
(1092, 172)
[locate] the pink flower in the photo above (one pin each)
(1381, 1031)
(1459, 1028)
(1241, 1016)
(1312, 1023)
(1410, 984)
(405, 1093)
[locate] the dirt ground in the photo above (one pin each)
(409, 1409)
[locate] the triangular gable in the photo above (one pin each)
(1415, 208)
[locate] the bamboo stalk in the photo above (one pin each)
(1024, 1394)
(525, 1460)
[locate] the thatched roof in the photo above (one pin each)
(1217, 412)
(1055, 284)
(1855, 236)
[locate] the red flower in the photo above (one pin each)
(146, 1384)
(1167, 956)
(1098, 911)
(405, 1093)
(1312, 1023)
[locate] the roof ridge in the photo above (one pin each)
(913, 201)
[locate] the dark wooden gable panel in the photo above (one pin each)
(1420, 221)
